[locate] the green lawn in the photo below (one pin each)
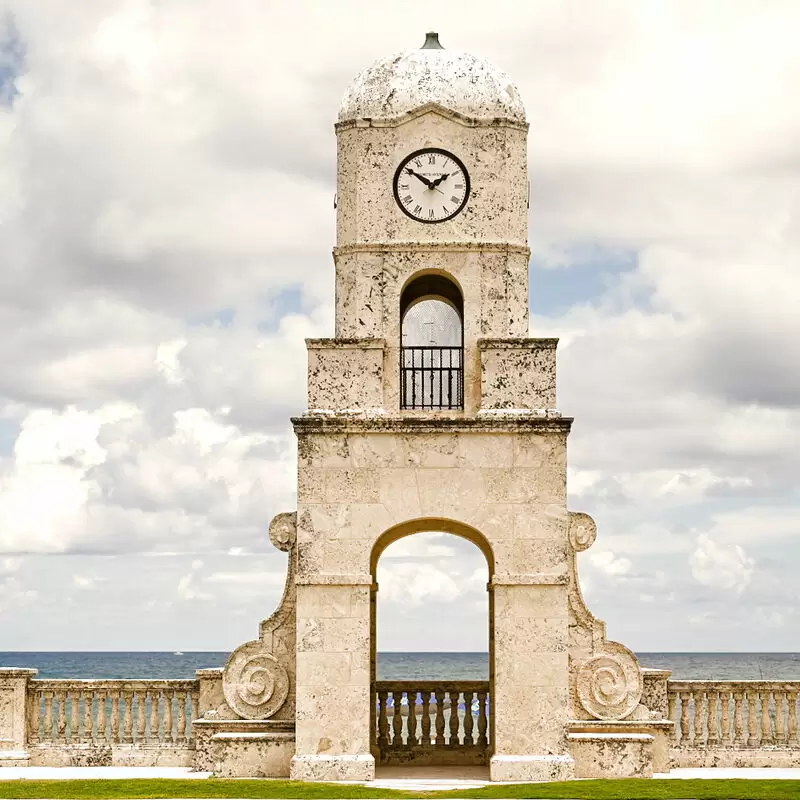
(579, 790)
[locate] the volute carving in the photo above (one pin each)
(258, 680)
(606, 677)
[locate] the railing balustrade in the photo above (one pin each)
(432, 377)
(738, 714)
(112, 712)
(431, 722)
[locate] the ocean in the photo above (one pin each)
(392, 666)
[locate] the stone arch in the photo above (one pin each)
(437, 524)
(401, 531)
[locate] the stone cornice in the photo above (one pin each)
(425, 247)
(430, 108)
(517, 344)
(499, 423)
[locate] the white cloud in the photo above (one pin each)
(720, 566)
(605, 561)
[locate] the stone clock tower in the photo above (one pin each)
(432, 410)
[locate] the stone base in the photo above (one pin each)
(661, 730)
(14, 758)
(333, 768)
(612, 755)
(732, 757)
(244, 748)
(523, 769)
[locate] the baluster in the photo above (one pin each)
(88, 698)
(169, 733)
(115, 717)
(74, 724)
(34, 715)
(454, 720)
(752, 718)
(700, 712)
(48, 716)
(383, 721)
(766, 722)
(713, 710)
(738, 718)
(195, 700)
(102, 715)
(426, 719)
(141, 716)
(181, 716)
(672, 699)
(397, 719)
(780, 723)
(154, 716)
(127, 735)
(411, 694)
(62, 715)
(468, 720)
(726, 717)
(685, 718)
(482, 721)
(439, 717)
(792, 727)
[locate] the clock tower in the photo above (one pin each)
(433, 410)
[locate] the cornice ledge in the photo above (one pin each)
(489, 423)
(420, 247)
(430, 108)
(509, 343)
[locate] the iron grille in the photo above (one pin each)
(432, 377)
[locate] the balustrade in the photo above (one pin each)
(420, 721)
(68, 712)
(741, 714)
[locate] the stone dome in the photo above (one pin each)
(457, 81)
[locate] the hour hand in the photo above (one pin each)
(422, 178)
(439, 180)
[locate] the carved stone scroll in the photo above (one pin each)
(606, 677)
(258, 678)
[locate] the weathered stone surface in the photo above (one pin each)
(345, 375)
(612, 755)
(13, 693)
(244, 748)
(518, 374)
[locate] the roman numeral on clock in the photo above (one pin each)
(407, 199)
(453, 199)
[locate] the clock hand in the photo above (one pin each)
(439, 180)
(417, 175)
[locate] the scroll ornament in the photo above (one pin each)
(582, 531)
(610, 684)
(255, 684)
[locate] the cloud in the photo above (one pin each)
(167, 177)
(719, 566)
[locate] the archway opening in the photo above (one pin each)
(432, 343)
(432, 645)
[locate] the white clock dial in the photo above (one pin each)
(431, 185)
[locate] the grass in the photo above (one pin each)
(736, 789)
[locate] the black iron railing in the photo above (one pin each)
(432, 377)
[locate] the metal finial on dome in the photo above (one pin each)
(432, 42)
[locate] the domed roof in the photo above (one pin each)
(457, 81)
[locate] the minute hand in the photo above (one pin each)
(421, 177)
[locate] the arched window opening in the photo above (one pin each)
(432, 344)
(431, 649)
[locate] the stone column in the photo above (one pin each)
(13, 716)
(333, 682)
(530, 696)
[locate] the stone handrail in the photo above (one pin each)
(111, 712)
(447, 715)
(734, 714)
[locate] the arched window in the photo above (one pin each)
(432, 344)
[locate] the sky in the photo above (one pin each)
(167, 174)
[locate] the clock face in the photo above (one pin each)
(431, 185)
